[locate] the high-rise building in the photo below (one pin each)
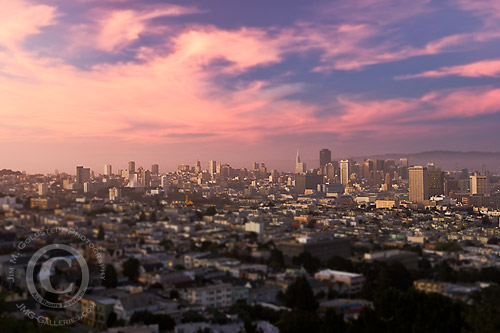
(479, 184)
(344, 172)
(43, 189)
(164, 183)
(107, 169)
(325, 157)
(145, 178)
(367, 171)
(307, 181)
(155, 169)
(418, 184)
(403, 162)
(212, 167)
(197, 167)
(330, 172)
(299, 166)
(82, 175)
(435, 182)
(131, 167)
(225, 171)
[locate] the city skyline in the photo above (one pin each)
(468, 160)
(88, 81)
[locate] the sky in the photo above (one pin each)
(89, 82)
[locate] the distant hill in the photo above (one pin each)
(7, 172)
(447, 160)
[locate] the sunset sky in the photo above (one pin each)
(107, 81)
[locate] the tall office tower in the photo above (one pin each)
(256, 166)
(299, 166)
(107, 169)
(197, 167)
(164, 183)
(145, 178)
(212, 167)
(325, 157)
(368, 171)
(225, 171)
(263, 170)
(479, 184)
(379, 165)
(431, 167)
(155, 169)
(389, 163)
(82, 175)
(403, 162)
(464, 174)
(273, 177)
(344, 172)
(330, 172)
(388, 180)
(131, 167)
(43, 189)
(435, 182)
(418, 184)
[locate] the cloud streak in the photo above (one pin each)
(483, 68)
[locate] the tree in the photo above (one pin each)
(213, 248)
(192, 316)
(101, 234)
(299, 321)
(300, 296)
(340, 264)
(451, 246)
(494, 240)
(311, 224)
(211, 211)
(333, 322)
(305, 259)
(276, 259)
(153, 217)
(165, 322)
(174, 294)
(110, 277)
(131, 269)
(112, 319)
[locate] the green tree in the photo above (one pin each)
(174, 294)
(276, 259)
(101, 234)
(211, 211)
(131, 269)
(300, 296)
(305, 259)
(110, 277)
(297, 321)
(112, 319)
(165, 322)
(333, 322)
(192, 316)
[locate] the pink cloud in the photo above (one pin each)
(476, 69)
(20, 19)
(112, 30)
(167, 97)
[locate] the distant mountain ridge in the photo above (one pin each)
(446, 159)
